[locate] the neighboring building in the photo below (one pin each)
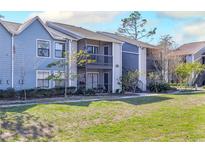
(192, 52)
(136, 55)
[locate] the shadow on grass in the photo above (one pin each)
(133, 101)
(23, 127)
(18, 109)
(146, 100)
(190, 93)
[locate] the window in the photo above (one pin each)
(92, 49)
(43, 48)
(60, 81)
(203, 60)
(42, 79)
(59, 50)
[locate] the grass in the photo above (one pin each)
(156, 118)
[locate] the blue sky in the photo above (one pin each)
(183, 26)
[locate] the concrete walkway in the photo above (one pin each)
(5, 104)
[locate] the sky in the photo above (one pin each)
(184, 27)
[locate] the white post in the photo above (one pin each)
(72, 64)
(117, 66)
(12, 61)
(143, 67)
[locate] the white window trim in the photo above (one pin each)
(49, 71)
(37, 48)
(129, 52)
(53, 81)
(54, 45)
(87, 77)
(93, 46)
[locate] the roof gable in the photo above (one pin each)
(189, 48)
(82, 32)
(129, 40)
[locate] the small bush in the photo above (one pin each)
(90, 92)
(118, 91)
(159, 87)
(80, 91)
(10, 93)
(71, 90)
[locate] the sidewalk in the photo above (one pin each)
(61, 100)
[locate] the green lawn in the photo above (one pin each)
(154, 118)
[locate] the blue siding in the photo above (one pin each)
(130, 61)
(5, 58)
(26, 62)
(130, 47)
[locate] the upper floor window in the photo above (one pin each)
(43, 48)
(59, 50)
(92, 49)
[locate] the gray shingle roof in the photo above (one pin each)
(189, 48)
(12, 27)
(16, 28)
(128, 40)
(85, 33)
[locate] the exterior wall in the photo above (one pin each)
(142, 67)
(130, 57)
(73, 65)
(189, 58)
(84, 42)
(198, 55)
(101, 76)
(130, 61)
(26, 61)
(130, 47)
(82, 76)
(5, 58)
(117, 66)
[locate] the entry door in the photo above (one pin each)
(92, 80)
(106, 55)
(106, 76)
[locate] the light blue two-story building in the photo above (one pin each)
(26, 50)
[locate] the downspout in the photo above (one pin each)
(12, 61)
(70, 62)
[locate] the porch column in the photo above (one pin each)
(143, 67)
(72, 64)
(117, 66)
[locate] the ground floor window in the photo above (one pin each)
(92, 80)
(42, 79)
(60, 79)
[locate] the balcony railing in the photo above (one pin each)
(100, 59)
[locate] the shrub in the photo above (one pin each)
(71, 90)
(118, 91)
(90, 92)
(158, 87)
(80, 91)
(10, 93)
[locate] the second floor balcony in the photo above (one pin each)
(100, 59)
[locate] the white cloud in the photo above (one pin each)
(72, 17)
(190, 32)
(195, 29)
(181, 14)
